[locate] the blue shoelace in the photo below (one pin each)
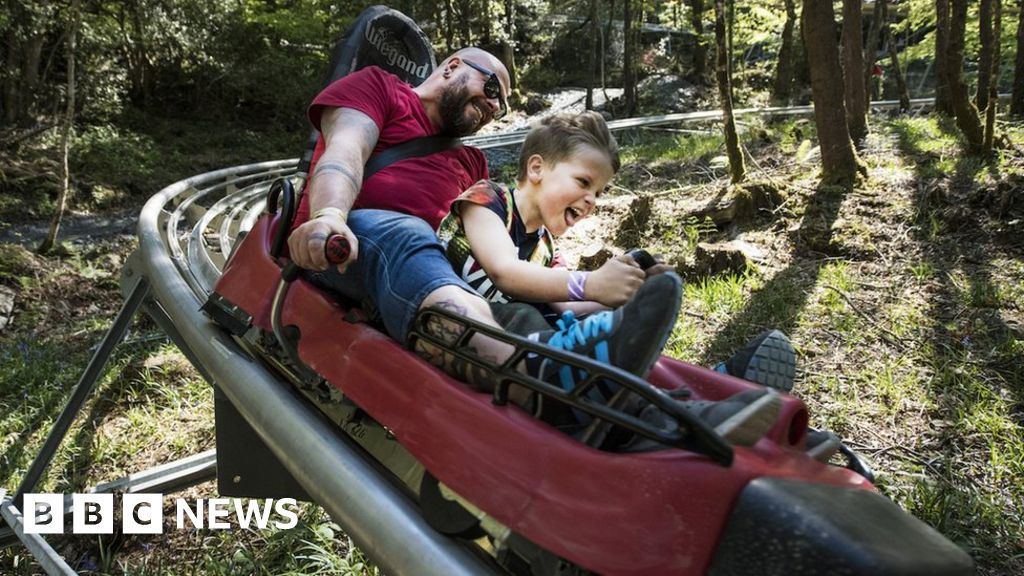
(574, 333)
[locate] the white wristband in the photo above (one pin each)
(331, 211)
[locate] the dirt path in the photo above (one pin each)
(76, 227)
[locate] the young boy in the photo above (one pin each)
(501, 241)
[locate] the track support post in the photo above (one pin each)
(83, 389)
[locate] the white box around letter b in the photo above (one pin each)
(142, 513)
(92, 514)
(43, 513)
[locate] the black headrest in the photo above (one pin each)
(386, 38)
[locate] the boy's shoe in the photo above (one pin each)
(742, 419)
(769, 359)
(822, 444)
(630, 337)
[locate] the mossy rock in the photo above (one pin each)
(743, 202)
(634, 222)
(16, 262)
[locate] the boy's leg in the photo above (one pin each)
(519, 318)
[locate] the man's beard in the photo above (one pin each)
(454, 100)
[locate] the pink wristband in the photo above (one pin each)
(577, 281)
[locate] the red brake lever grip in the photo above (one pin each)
(337, 249)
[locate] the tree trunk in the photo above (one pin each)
(510, 47)
(853, 63)
(136, 52)
(1017, 102)
(69, 120)
(485, 21)
(730, 15)
(449, 25)
(700, 57)
(966, 114)
(873, 91)
(732, 142)
(628, 58)
(897, 71)
(838, 158)
(943, 94)
(603, 51)
(465, 21)
(33, 56)
(985, 54)
(10, 83)
(993, 87)
(592, 55)
(782, 88)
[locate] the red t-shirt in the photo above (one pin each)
(423, 186)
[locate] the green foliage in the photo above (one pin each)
(757, 27)
(916, 20)
(660, 147)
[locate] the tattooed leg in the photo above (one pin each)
(493, 352)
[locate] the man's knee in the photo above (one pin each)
(459, 301)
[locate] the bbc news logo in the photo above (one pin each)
(144, 513)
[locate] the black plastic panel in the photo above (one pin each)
(781, 526)
(246, 468)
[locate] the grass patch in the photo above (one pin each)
(122, 164)
(652, 147)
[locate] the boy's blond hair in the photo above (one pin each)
(557, 138)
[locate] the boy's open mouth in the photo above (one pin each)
(572, 215)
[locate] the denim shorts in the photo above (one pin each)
(400, 262)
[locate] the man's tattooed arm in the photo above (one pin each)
(336, 168)
(350, 137)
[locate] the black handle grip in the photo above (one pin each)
(642, 257)
(337, 249)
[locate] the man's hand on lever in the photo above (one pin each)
(307, 243)
(349, 137)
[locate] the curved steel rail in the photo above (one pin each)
(382, 521)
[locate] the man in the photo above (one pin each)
(397, 262)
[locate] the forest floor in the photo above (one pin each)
(904, 296)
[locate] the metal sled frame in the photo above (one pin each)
(170, 277)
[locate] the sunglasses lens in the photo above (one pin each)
(492, 89)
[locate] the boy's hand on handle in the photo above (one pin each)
(308, 243)
(652, 264)
(614, 283)
(659, 266)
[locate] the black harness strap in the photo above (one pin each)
(422, 146)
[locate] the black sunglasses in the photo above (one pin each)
(492, 89)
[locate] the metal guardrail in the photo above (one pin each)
(517, 136)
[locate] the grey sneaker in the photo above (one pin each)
(742, 419)
(822, 444)
(769, 360)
